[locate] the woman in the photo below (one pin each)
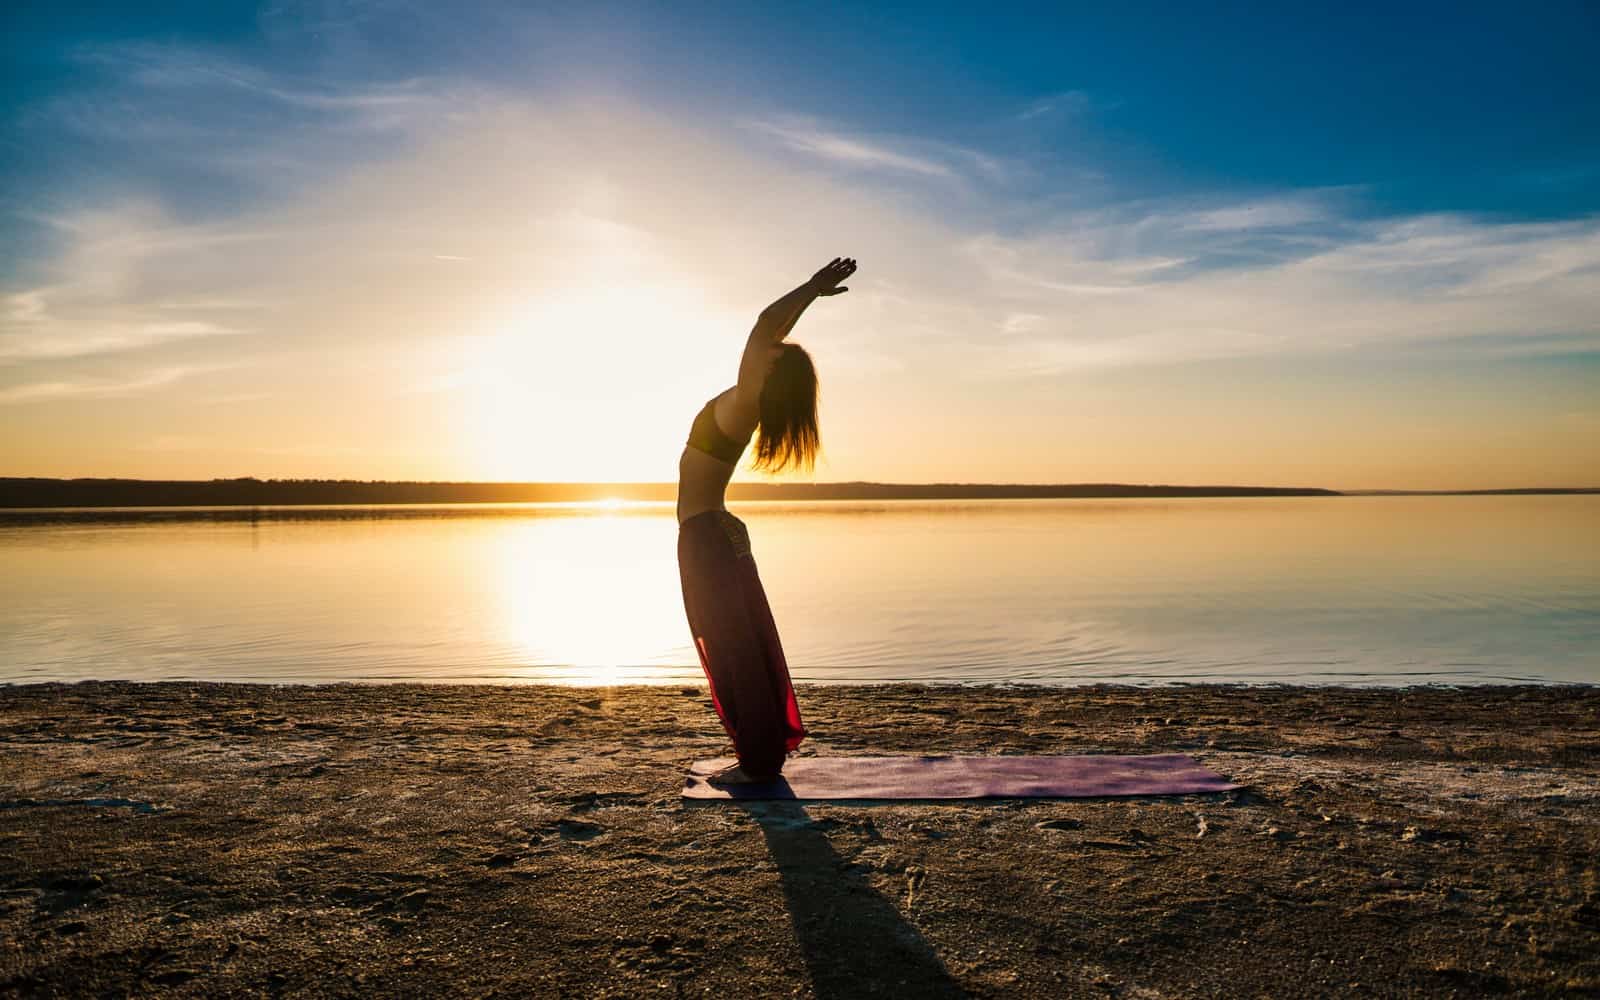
(722, 595)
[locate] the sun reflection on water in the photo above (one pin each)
(594, 597)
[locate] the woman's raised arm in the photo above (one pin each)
(779, 318)
(774, 324)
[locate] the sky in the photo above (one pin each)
(1284, 245)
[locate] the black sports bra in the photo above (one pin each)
(705, 435)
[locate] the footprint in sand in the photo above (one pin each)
(586, 801)
(577, 829)
(1059, 824)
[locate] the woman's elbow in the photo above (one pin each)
(769, 326)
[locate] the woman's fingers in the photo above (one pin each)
(829, 271)
(834, 272)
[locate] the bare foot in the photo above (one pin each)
(734, 775)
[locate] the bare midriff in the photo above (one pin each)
(702, 483)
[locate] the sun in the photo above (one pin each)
(574, 387)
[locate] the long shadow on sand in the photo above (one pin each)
(854, 940)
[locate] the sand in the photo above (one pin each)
(203, 839)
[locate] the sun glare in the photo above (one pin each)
(572, 387)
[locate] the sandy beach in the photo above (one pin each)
(206, 839)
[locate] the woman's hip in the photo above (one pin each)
(712, 533)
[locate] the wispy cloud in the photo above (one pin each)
(36, 392)
(218, 121)
(74, 340)
(849, 150)
(892, 154)
(1067, 102)
(25, 307)
(207, 305)
(185, 71)
(1271, 213)
(127, 278)
(1449, 283)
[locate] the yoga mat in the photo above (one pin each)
(1008, 777)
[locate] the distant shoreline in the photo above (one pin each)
(247, 492)
(19, 492)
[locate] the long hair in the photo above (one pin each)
(788, 428)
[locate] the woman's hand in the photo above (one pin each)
(778, 319)
(826, 281)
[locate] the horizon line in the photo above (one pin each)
(1037, 484)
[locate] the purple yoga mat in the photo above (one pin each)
(1009, 777)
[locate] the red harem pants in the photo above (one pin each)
(737, 639)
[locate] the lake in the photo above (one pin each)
(1349, 590)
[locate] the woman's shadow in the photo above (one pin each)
(855, 941)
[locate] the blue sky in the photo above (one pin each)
(1323, 198)
(1468, 107)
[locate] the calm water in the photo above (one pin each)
(1371, 590)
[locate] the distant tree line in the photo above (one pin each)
(248, 491)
